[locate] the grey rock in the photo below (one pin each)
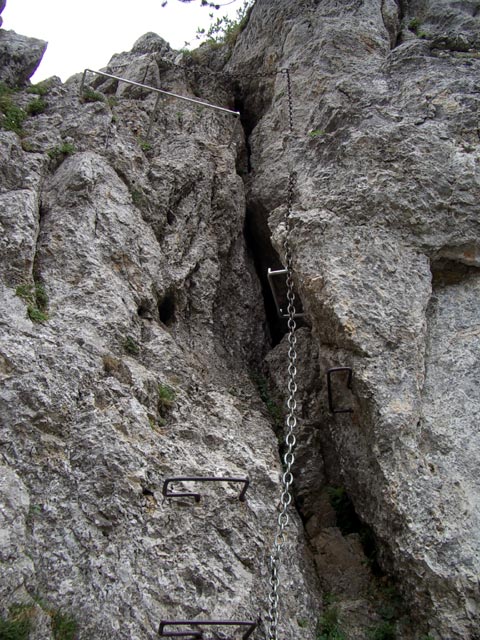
(386, 166)
(19, 57)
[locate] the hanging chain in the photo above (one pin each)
(291, 420)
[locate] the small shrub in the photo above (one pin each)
(37, 300)
(329, 625)
(383, 631)
(36, 106)
(130, 346)
(36, 315)
(89, 95)
(18, 624)
(112, 101)
(64, 627)
(144, 145)
(61, 150)
(414, 24)
(40, 89)
(13, 116)
(166, 396)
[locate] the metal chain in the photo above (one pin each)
(291, 420)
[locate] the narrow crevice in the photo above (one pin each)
(264, 256)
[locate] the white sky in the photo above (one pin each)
(86, 33)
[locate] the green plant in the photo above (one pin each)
(166, 396)
(112, 101)
(302, 623)
(137, 197)
(383, 631)
(225, 30)
(40, 89)
(130, 346)
(64, 626)
(18, 624)
(273, 407)
(12, 115)
(413, 24)
(89, 95)
(315, 133)
(36, 106)
(144, 145)
(61, 150)
(37, 300)
(329, 625)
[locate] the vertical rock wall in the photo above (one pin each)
(131, 316)
(385, 151)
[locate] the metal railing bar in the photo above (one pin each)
(199, 634)
(197, 496)
(329, 388)
(162, 91)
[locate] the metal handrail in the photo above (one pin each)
(197, 496)
(199, 634)
(161, 91)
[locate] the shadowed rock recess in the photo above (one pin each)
(139, 341)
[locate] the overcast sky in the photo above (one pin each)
(86, 33)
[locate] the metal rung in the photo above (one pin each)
(329, 388)
(199, 634)
(197, 496)
(162, 91)
(271, 276)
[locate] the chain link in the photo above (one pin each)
(291, 419)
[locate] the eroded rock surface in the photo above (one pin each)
(386, 154)
(19, 57)
(132, 315)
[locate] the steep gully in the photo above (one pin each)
(347, 544)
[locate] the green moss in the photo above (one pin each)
(315, 133)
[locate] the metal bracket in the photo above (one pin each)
(197, 496)
(329, 388)
(199, 634)
(271, 276)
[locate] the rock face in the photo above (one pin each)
(386, 157)
(132, 315)
(19, 57)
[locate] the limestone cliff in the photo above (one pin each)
(137, 329)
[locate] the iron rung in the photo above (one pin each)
(250, 624)
(197, 496)
(271, 276)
